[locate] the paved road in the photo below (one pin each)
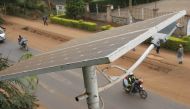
(57, 90)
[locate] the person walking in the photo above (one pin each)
(45, 18)
(180, 54)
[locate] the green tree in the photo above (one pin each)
(75, 9)
(31, 82)
(17, 93)
(87, 1)
(31, 8)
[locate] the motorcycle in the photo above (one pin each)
(23, 44)
(136, 87)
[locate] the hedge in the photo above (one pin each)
(173, 43)
(1, 20)
(106, 27)
(90, 26)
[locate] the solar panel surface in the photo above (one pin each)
(97, 49)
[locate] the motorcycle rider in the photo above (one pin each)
(20, 39)
(133, 85)
(129, 82)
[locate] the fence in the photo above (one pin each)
(122, 17)
(138, 14)
(97, 16)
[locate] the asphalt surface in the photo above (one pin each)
(58, 90)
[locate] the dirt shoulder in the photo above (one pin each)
(57, 29)
(161, 72)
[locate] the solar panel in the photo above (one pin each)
(99, 48)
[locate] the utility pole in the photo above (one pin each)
(130, 11)
(130, 5)
(155, 5)
(155, 9)
(49, 5)
(91, 85)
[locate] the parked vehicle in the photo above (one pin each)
(2, 35)
(135, 87)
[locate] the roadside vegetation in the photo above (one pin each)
(1, 20)
(75, 9)
(173, 43)
(24, 8)
(90, 26)
(106, 27)
(74, 16)
(18, 93)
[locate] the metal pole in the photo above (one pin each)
(97, 11)
(141, 59)
(130, 5)
(142, 11)
(155, 6)
(127, 72)
(130, 11)
(119, 11)
(91, 85)
(131, 69)
(49, 5)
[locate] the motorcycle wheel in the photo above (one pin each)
(127, 91)
(26, 48)
(143, 94)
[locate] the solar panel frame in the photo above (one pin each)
(72, 55)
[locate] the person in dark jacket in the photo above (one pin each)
(19, 38)
(45, 18)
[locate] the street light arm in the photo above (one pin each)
(130, 70)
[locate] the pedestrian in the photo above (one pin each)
(45, 18)
(180, 54)
(158, 49)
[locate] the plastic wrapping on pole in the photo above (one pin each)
(91, 85)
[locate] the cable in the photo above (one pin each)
(101, 100)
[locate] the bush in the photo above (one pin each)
(1, 20)
(90, 26)
(173, 43)
(75, 9)
(106, 27)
